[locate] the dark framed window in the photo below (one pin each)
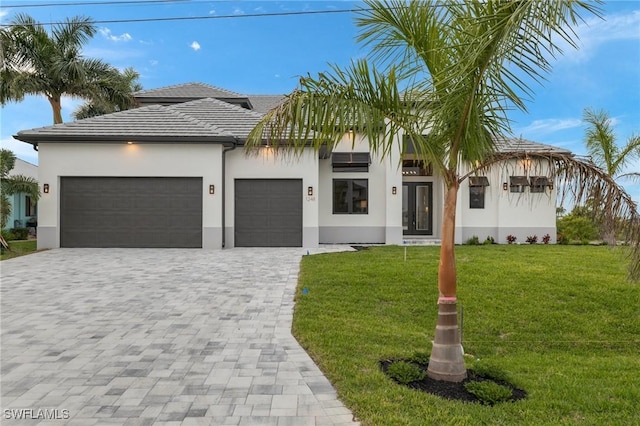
(539, 183)
(350, 196)
(476, 191)
(30, 206)
(518, 183)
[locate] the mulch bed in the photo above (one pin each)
(454, 391)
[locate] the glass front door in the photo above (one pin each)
(417, 210)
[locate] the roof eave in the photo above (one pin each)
(36, 139)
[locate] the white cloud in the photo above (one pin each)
(238, 11)
(595, 32)
(212, 12)
(277, 76)
(195, 46)
(106, 32)
(259, 9)
(3, 13)
(153, 62)
(549, 125)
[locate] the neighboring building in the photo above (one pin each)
(173, 173)
(24, 210)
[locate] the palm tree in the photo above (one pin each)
(35, 62)
(11, 185)
(448, 74)
(128, 83)
(606, 154)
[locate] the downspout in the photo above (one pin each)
(224, 187)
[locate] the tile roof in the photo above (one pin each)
(188, 91)
(263, 103)
(232, 119)
(154, 122)
(505, 144)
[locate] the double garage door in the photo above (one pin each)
(167, 212)
(131, 212)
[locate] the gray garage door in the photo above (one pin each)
(130, 212)
(268, 213)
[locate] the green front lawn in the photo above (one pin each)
(561, 321)
(19, 248)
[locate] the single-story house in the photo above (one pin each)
(173, 173)
(24, 209)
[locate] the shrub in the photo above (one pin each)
(489, 240)
(511, 239)
(473, 241)
(576, 228)
(488, 392)
(16, 234)
(532, 239)
(404, 372)
(421, 358)
(546, 239)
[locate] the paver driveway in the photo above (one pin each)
(143, 336)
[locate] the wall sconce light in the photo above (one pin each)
(394, 190)
(551, 186)
(310, 191)
(212, 189)
(45, 188)
(505, 186)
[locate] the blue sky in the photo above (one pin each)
(258, 55)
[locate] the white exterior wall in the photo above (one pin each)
(383, 222)
(506, 213)
(121, 160)
(267, 165)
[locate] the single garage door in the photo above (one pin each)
(130, 212)
(268, 213)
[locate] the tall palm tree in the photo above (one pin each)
(448, 73)
(606, 154)
(10, 185)
(128, 83)
(35, 62)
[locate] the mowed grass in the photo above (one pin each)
(19, 248)
(562, 322)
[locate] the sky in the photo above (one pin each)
(235, 48)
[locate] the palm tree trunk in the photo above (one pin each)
(56, 106)
(446, 361)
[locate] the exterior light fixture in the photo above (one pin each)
(394, 190)
(551, 185)
(505, 186)
(212, 189)
(129, 143)
(310, 191)
(45, 188)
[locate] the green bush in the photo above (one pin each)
(484, 369)
(404, 372)
(15, 234)
(473, 241)
(489, 392)
(421, 358)
(489, 240)
(576, 228)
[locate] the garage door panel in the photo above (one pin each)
(130, 212)
(268, 213)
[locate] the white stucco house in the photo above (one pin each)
(173, 173)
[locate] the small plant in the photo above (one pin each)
(489, 240)
(405, 372)
(532, 239)
(511, 239)
(421, 358)
(489, 392)
(473, 241)
(546, 239)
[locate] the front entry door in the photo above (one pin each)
(417, 209)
